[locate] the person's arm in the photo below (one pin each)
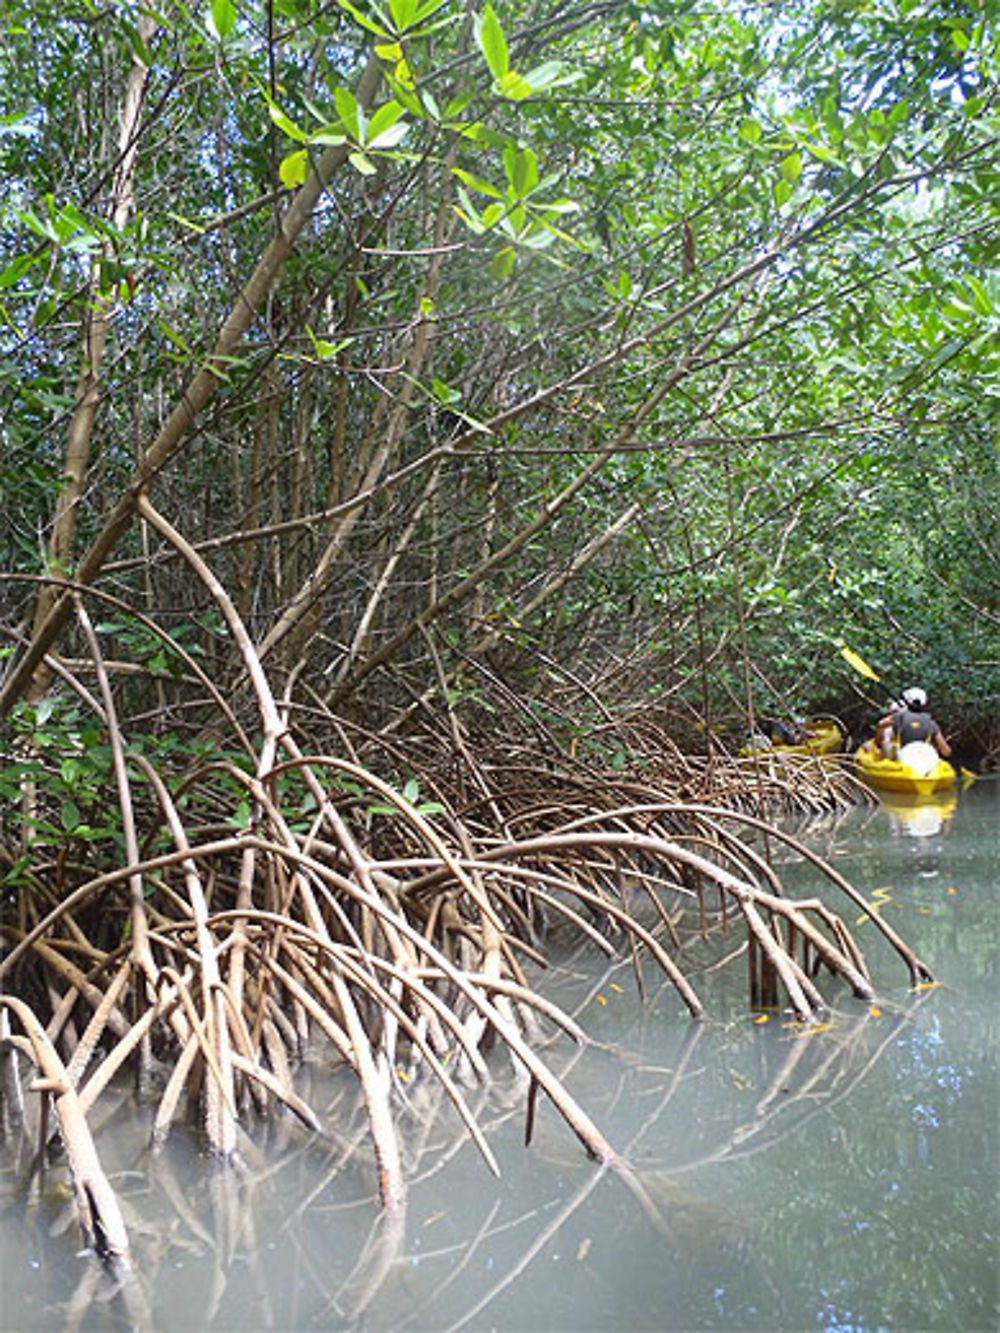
(940, 744)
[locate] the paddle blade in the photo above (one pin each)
(858, 663)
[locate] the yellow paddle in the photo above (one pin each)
(859, 663)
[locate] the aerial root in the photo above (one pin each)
(302, 902)
(97, 1204)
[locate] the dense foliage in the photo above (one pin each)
(625, 344)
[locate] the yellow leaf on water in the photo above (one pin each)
(584, 1249)
(434, 1217)
(761, 1018)
(813, 1027)
(615, 986)
(951, 890)
(926, 985)
(879, 899)
(601, 999)
(874, 1011)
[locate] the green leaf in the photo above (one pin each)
(69, 815)
(363, 164)
(286, 125)
(502, 265)
(349, 112)
(223, 18)
(428, 8)
(403, 12)
(174, 337)
(791, 168)
(444, 393)
(551, 74)
(468, 212)
(515, 86)
(522, 170)
(294, 169)
(326, 351)
(477, 183)
(16, 269)
(492, 42)
(389, 138)
(783, 191)
(385, 129)
(19, 125)
(750, 130)
(331, 135)
(379, 29)
(981, 297)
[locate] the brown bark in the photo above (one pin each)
(194, 398)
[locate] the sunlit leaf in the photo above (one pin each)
(791, 168)
(492, 42)
(222, 18)
(285, 124)
(294, 169)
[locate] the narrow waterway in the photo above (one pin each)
(836, 1176)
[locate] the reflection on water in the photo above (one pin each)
(838, 1175)
(919, 817)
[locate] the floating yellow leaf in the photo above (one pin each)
(584, 1249)
(614, 986)
(811, 1028)
(926, 985)
(433, 1219)
(874, 1011)
(402, 1074)
(601, 999)
(879, 899)
(951, 890)
(762, 1018)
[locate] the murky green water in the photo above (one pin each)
(838, 1177)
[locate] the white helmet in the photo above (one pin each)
(915, 698)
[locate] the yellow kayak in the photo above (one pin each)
(918, 770)
(822, 736)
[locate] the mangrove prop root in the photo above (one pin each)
(391, 932)
(97, 1205)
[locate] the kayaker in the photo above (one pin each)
(780, 732)
(911, 722)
